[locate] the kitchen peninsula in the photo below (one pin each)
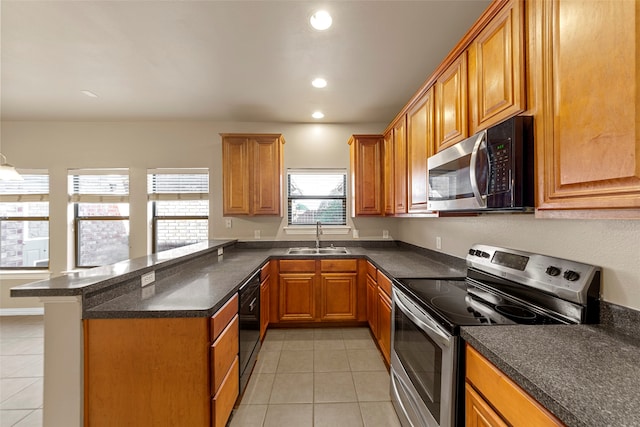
(195, 282)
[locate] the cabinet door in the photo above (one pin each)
(267, 176)
(297, 299)
(366, 171)
(478, 412)
(389, 179)
(372, 305)
(496, 69)
(451, 104)
(400, 165)
(147, 372)
(236, 169)
(338, 296)
(384, 325)
(420, 141)
(586, 84)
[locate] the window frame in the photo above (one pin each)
(318, 171)
(154, 197)
(89, 198)
(26, 197)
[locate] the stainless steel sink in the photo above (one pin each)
(318, 251)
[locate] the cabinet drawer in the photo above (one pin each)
(513, 403)
(223, 352)
(338, 265)
(384, 283)
(222, 317)
(223, 401)
(371, 270)
(297, 265)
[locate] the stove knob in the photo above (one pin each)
(553, 271)
(571, 275)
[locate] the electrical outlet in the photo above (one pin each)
(227, 222)
(356, 234)
(220, 251)
(385, 234)
(147, 279)
(256, 234)
(438, 242)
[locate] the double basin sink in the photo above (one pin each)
(318, 251)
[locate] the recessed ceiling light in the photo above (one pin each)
(89, 93)
(319, 83)
(321, 20)
(317, 115)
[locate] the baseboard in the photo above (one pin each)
(35, 311)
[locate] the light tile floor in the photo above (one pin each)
(317, 377)
(304, 377)
(21, 370)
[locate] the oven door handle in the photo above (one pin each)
(480, 197)
(426, 324)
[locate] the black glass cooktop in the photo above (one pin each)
(457, 302)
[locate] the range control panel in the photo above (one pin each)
(563, 278)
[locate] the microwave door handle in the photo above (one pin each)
(480, 198)
(425, 323)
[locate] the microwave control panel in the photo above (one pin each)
(499, 153)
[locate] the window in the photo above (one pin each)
(317, 195)
(180, 206)
(24, 222)
(101, 206)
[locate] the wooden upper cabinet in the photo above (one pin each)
(252, 170)
(496, 69)
(389, 179)
(366, 174)
(400, 165)
(451, 104)
(420, 141)
(584, 80)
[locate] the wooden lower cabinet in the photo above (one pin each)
(478, 412)
(492, 399)
(372, 305)
(297, 297)
(160, 371)
(320, 290)
(223, 401)
(384, 324)
(338, 296)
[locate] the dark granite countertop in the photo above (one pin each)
(194, 282)
(585, 375)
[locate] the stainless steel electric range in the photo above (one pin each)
(502, 286)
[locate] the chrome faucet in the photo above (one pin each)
(318, 233)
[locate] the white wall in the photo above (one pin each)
(57, 146)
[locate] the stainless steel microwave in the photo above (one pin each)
(491, 171)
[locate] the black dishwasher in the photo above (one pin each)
(249, 295)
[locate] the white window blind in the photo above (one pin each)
(178, 184)
(33, 188)
(99, 185)
(317, 195)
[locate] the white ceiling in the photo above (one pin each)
(221, 60)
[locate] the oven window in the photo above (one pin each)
(421, 358)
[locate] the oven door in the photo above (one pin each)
(458, 176)
(423, 367)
